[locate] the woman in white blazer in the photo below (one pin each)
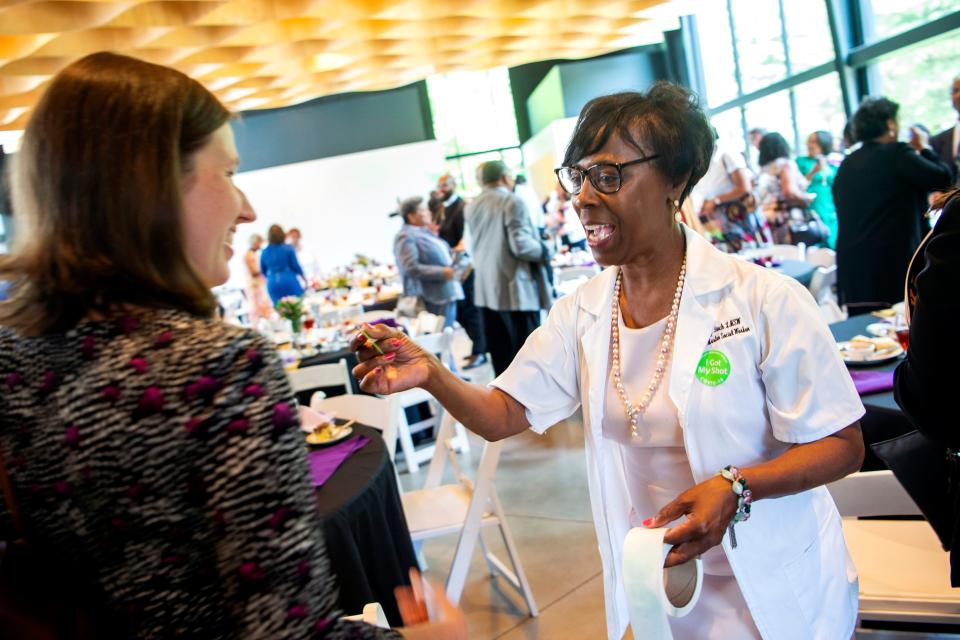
(685, 361)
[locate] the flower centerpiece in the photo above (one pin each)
(291, 308)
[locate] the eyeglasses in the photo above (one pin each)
(606, 177)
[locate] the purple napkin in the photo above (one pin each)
(872, 381)
(323, 462)
(390, 322)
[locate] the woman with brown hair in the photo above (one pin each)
(279, 264)
(151, 449)
(257, 298)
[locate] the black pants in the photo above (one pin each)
(468, 315)
(506, 332)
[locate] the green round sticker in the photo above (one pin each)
(713, 368)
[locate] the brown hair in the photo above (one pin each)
(97, 192)
(275, 234)
(941, 200)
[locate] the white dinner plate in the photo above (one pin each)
(870, 358)
(881, 329)
(331, 435)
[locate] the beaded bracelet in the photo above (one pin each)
(738, 484)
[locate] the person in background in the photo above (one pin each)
(279, 265)
(946, 144)
(509, 257)
(451, 230)
(563, 222)
(922, 390)
(257, 298)
(880, 192)
(530, 200)
(819, 172)
(724, 203)
(305, 257)
(154, 453)
(755, 135)
(781, 187)
(425, 262)
(684, 361)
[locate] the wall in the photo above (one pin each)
(340, 204)
(333, 126)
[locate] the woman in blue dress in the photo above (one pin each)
(279, 265)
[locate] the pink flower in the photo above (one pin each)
(283, 416)
(72, 436)
(239, 425)
(49, 382)
(88, 347)
(12, 380)
(128, 324)
(204, 387)
(150, 402)
(298, 611)
(163, 340)
(135, 491)
(251, 572)
(254, 358)
(111, 392)
(253, 390)
(138, 364)
(279, 517)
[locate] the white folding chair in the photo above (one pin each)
(440, 344)
(464, 507)
(821, 256)
(821, 283)
(373, 411)
(321, 375)
(904, 572)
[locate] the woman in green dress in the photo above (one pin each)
(819, 172)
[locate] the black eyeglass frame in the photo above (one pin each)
(587, 172)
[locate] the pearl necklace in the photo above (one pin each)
(635, 411)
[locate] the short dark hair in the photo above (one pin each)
(409, 206)
(97, 184)
(668, 118)
(491, 172)
(773, 146)
(870, 120)
(824, 141)
(275, 234)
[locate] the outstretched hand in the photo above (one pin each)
(389, 361)
(709, 507)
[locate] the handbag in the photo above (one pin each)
(795, 222)
(930, 476)
(39, 598)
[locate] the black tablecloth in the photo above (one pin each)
(884, 418)
(366, 532)
(799, 270)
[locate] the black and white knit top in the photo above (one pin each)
(165, 450)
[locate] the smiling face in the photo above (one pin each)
(213, 207)
(624, 226)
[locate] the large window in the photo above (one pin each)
(473, 117)
(780, 69)
(890, 17)
(919, 78)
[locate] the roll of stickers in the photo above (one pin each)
(655, 594)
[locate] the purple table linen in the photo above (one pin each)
(868, 382)
(323, 462)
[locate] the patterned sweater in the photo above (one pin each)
(165, 451)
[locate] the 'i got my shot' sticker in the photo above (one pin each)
(713, 368)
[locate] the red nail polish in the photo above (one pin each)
(378, 371)
(648, 522)
(396, 342)
(390, 356)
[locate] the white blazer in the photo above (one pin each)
(786, 384)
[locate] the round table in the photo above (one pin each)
(799, 270)
(366, 533)
(884, 419)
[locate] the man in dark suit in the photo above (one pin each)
(451, 230)
(947, 143)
